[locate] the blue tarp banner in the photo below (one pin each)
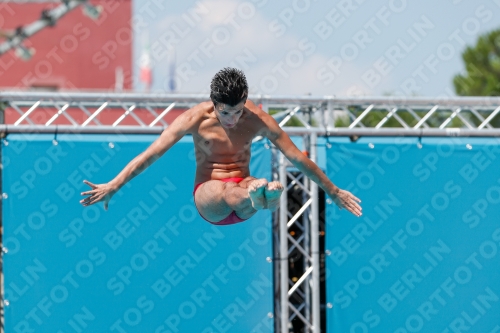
(424, 257)
(148, 264)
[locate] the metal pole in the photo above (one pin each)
(306, 223)
(330, 117)
(315, 244)
(270, 101)
(125, 129)
(50, 18)
(283, 245)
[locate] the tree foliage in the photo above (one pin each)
(482, 65)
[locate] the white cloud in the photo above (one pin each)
(247, 37)
(304, 80)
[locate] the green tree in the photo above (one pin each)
(482, 65)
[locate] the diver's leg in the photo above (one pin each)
(216, 199)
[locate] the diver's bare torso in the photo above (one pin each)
(224, 152)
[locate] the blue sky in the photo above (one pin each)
(342, 48)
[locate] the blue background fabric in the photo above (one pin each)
(148, 264)
(424, 257)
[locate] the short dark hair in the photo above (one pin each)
(229, 86)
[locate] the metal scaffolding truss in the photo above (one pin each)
(333, 116)
(299, 296)
(48, 18)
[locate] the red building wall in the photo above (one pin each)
(78, 52)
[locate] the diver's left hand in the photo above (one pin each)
(347, 200)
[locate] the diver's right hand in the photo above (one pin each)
(99, 192)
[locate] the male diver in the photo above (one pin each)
(222, 130)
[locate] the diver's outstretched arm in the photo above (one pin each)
(173, 133)
(271, 129)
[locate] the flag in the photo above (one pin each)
(146, 74)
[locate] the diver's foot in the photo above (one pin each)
(256, 190)
(273, 193)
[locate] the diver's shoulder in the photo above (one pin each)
(254, 108)
(201, 110)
